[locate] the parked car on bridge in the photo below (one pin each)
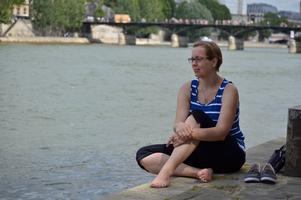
(122, 18)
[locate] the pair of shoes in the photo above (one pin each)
(265, 175)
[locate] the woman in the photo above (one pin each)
(206, 135)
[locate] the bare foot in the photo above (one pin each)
(205, 175)
(161, 181)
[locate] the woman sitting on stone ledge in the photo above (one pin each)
(206, 136)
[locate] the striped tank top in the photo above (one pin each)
(212, 109)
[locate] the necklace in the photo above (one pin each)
(207, 96)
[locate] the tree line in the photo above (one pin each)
(57, 17)
(160, 10)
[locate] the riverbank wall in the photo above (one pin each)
(223, 186)
(139, 42)
(44, 40)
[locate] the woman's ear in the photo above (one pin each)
(214, 62)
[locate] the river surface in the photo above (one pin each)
(73, 116)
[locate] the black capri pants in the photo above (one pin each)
(222, 156)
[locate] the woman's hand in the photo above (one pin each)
(182, 133)
(175, 140)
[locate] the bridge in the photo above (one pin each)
(194, 26)
(235, 32)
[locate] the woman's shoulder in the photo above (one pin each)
(186, 85)
(230, 89)
(191, 83)
(229, 85)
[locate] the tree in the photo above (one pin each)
(168, 8)
(95, 7)
(98, 11)
(270, 19)
(110, 3)
(151, 10)
(57, 17)
(218, 11)
(224, 13)
(42, 18)
(194, 10)
(130, 7)
(273, 19)
(6, 9)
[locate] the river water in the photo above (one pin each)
(73, 116)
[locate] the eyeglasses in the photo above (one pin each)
(197, 59)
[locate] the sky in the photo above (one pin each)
(288, 5)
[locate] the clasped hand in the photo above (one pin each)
(181, 134)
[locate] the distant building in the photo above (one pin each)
(239, 19)
(20, 28)
(256, 11)
(293, 17)
(20, 25)
(22, 10)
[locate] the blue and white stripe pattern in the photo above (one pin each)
(213, 108)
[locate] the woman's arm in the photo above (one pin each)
(182, 105)
(230, 101)
(180, 127)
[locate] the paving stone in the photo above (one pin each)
(223, 186)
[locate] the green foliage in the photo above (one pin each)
(152, 10)
(224, 13)
(271, 19)
(110, 3)
(145, 32)
(193, 10)
(142, 32)
(218, 11)
(168, 8)
(99, 12)
(58, 16)
(160, 10)
(130, 7)
(6, 8)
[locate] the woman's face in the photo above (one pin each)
(200, 63)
